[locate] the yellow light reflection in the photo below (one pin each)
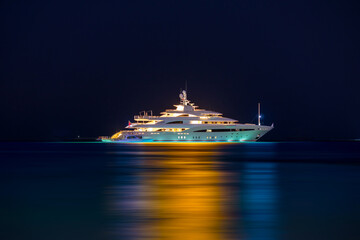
(186, 196)
(182, 192)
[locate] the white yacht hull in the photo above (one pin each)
(253, 134)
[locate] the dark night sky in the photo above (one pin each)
(71, 68)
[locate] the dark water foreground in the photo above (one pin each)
(264, 191)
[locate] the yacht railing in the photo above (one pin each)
(145, 117)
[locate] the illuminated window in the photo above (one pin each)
(224, 130)
(195, 122)
(179, 108)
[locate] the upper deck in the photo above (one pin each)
(186, 112)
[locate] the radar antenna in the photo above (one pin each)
(183, 98)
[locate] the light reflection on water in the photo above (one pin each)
(259, 206)
(92, 191)
(185, 192)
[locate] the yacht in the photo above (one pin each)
(188, 123)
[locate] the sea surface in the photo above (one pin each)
(246, 191)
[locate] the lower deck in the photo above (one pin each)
(194, 136)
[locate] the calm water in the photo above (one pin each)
(250, 191)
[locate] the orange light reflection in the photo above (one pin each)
(183, 192)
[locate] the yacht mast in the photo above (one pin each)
(259, 116)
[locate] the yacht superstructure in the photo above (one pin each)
(188, 123)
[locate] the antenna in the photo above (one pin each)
(186, 85)
(259, 116)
